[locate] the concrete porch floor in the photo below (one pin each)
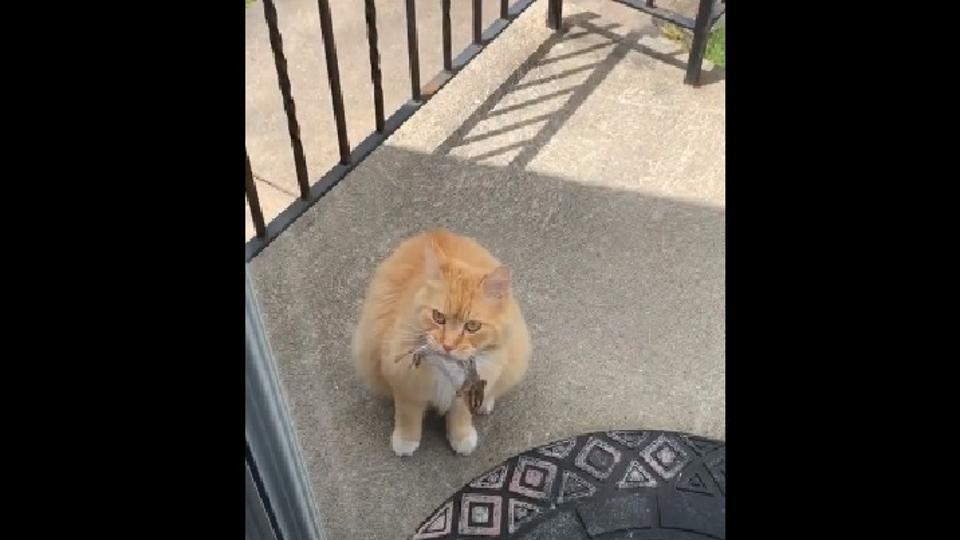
(583, 162)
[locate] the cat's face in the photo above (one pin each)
(460, 311)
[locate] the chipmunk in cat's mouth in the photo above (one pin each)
(472, 385)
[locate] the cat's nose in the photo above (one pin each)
(447, 348)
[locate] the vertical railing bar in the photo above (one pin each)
(698, 47)
(333, 75)
(413, 52)
(477, 22)
(445, 25)
(293, 127)
(504, 9)
(554, 14)
(375, 75)
(254, 201)
(650, 3)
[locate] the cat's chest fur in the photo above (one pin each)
(447, 380)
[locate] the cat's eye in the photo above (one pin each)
(472, 326)
(438, 317)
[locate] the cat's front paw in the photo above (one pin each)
(402, 447)
(466, 444)
(487, 406)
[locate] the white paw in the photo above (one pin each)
(402, 447)
(487, 406)
(467, 444)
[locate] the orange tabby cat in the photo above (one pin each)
(448, 292)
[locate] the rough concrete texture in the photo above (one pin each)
(586, 164)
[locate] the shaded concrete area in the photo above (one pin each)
(584, 163)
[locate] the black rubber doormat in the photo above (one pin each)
(645, 485)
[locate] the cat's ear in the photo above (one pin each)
(496, 284)
(432, 257)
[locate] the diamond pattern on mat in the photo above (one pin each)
(665, 456)
(533, 477)
(598, 458)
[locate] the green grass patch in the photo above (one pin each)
(717, 46)
(716, 43)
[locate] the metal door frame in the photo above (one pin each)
(279, 500)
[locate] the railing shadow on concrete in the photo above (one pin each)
(576, 28)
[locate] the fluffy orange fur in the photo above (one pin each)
(450, 292)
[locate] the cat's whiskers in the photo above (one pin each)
(419, 345)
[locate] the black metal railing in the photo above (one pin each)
(351, 156)
(708, 12)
